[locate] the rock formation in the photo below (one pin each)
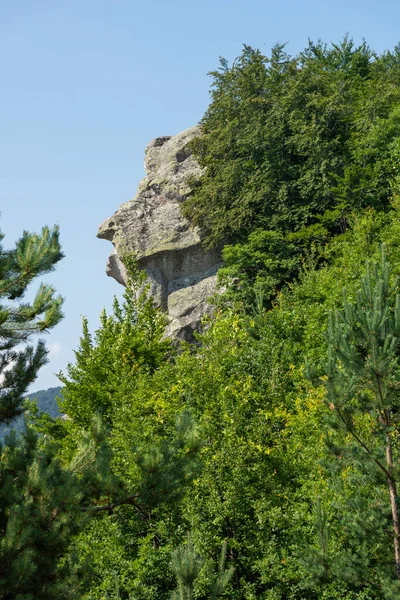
(182, 275)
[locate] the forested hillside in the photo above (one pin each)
(262, 462)
(291, 147)
(46, 401)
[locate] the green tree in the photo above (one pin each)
(43, 504)
(108, 365)
(30, 481)
(186, 565)
(362, 383)
(33, 256)
(292, 145)
(118, 372)
(263, 263)
(43, 501)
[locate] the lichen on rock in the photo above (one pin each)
(182, 275)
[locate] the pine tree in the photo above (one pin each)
(186, 565)
(220, 580)
(43, 504)
(363, 379)
(33, 256)
(34, 488)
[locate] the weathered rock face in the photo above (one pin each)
(182, 275)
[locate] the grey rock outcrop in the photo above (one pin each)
(182, 275)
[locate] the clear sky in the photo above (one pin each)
(86, 84)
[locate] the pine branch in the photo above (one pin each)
(363, 445)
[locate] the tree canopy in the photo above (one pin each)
(294, 142)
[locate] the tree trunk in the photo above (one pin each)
(393, 504)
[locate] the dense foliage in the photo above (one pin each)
(293, 141)
(262, 462)
(292, 145)
(301, 511)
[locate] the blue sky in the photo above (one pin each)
(86, 84)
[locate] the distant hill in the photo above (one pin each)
(46, 402)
